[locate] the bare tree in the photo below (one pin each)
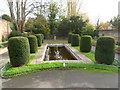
(74, 7)
(19, 11)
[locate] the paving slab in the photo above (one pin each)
(4, 58)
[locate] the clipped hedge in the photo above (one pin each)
(85, 43)
(19, 51)
(39, 39)
(75, 40)
(105, 50)
(33, 43)
(69, 38)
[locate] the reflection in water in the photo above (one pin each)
(58, 53)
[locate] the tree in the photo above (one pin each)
(53, 10)
(19, 10)
(98, 24)
(74, 7)
(88, 30)
(104, 25)
(76, 24)
(6, 17)
(63, 28)
(38, 25)
(115, 22)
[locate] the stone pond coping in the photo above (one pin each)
(41, 53)
(3, 50)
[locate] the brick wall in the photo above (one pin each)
(4, 28)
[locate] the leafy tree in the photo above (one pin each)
(104, 25)
(63, 28)
(115, 22)
(38, 25)
(6, 17)
(76, 24)
(53, 10)
(29, 25)
(88, 30)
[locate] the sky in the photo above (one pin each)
(105, 10)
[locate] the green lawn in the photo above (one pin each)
(57, 65)
(89, 54)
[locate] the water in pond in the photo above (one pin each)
(59, 53)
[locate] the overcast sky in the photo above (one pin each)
(103, 9)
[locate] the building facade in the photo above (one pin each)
(111, 32)
(4, 28)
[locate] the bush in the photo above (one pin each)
(19, 51)
(3, 38)
(69, 38)
(42, 38)
(33, 43)
(14, 34)
(85, 43)
(25, 34)
(105, 50)
(75, 40)
(39, 39)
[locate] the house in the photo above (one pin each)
(110, 32)
(4, 28)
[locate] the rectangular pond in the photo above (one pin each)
(59, 52)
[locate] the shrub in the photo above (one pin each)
(42, 38)
(3, 38)
(33, 43)
(69, 38)
(39, 39)
(75, 40)
(105, 50)
(19, 51)
(85, 43)
(14, 34)
(25, 34)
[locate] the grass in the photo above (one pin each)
(90, 55)
(57, 65)
(32, 56)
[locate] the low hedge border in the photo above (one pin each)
(56, 65)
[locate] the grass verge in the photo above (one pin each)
(57, 65)
(88, 54)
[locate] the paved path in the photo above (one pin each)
(4, 58)
(63, 79)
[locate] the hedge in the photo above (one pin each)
(75, 40)
(85, 43)
(105, 50)
(33, 43)
(19, 51)
(69, 38)
(39, 39)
